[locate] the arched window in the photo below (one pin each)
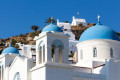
(58, 43)
(43, 53)
(17, 76)
(111, 52)
(81, 54)
(95, 52)
(53, 53)
(60, 54)
(57, 46)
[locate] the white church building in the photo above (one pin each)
(77, 21)
(66, 27)
(98, 57)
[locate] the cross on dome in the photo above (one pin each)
(98, 18)
(99, 23)
(51, 18)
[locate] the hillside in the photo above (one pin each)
(78, 30)
(28, 37)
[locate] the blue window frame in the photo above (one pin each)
(17, 76)
(95, 52)
(111, 53)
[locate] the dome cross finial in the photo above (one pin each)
(51, 20)
(98, 18)
(99, 23)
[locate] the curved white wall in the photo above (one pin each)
(103, 49)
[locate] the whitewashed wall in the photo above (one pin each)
(103, 49)
(21, 65)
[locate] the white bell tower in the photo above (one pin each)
(52, 57)
(52, 47)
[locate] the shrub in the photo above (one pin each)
(16, 46)
(33, 34)
(80, 24)
(13, 41)
(22, 35)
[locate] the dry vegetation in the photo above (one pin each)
(28, 37)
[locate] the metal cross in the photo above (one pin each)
(51, 18)
(98, 18)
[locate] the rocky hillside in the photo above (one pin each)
(28, 37)
(22, 38)
(78, 30)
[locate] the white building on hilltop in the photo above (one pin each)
(67, 30)
(98, 57)
(77, 21)
(27, 50)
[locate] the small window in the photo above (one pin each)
(95, 52)
(34, 58)
(71, 52)
(17, 76)
(65, 29)
(111, 53)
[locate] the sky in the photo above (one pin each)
(17, 16)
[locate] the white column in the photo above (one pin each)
(43, 54)
(48, 52)
(65, 55)
(56, 55)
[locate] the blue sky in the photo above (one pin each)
(17, 16)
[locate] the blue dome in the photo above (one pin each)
(99, 32)
(52, 27)
(10, 49)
